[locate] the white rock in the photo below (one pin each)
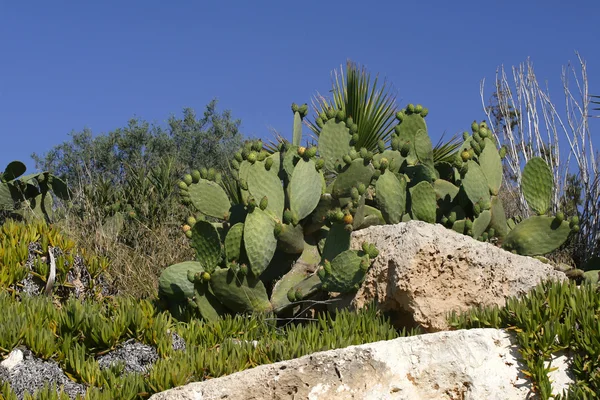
(13, 359)
(466, 364)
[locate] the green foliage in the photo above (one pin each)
(553, 317)
(18, 262)
(213, 349)
(125, 179)
(29, 196)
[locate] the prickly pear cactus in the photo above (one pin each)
(280, 232)
(265, 230)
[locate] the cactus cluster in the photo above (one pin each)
(27, 196)
(283, 233)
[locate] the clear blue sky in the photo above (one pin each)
(69, 65)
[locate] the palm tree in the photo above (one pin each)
(373, 110)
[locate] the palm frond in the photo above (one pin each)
(445, 152)
(372, 109)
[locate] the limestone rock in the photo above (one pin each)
(465, 364)
(425, 271)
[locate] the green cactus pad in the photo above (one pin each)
(209, 198)
(334, 143)
(444, 190)
(338, 240)
(209, 307)
(407, 130)
(498, 222)
(537, 184)
(297, 131)
(305, 188)
(291, 239)
(13, 170)
(423, 147)
(390, 194)
(290, 157)
(353, 174)
(475, 183)
(459, 226)
(207, 243)
(345, 273)
(276, 157)
(592, 276)
(420, 173)
(481, 223)
(173, 282)
(279, 297)
(233, 242)
(537, 235)
(376, 213)
(240, 294)
(491, 166)
(259, 240)
(264, 183)
(423, 202)
(394, 158)
(319, 215)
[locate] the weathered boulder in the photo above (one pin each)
(464, 364)
(424, 271)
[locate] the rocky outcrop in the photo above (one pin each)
(466, 364)
(425, 271)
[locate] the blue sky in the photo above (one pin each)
(69, 65)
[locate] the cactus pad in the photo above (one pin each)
(233, 242)
(491, 166)
(259, 240)
(334, 143)
(537, 235)
(239, 293)
(209, 198)
(475, 183)
(391, 196)
(353, 174)
(345, 272)
(537, 184)
(173, 282)
(263, 183)
(207, 243)
(305, 188)
(423, 202)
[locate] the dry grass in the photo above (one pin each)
(135, 267)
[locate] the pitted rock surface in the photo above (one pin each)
(425, 271)
(470, 364)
